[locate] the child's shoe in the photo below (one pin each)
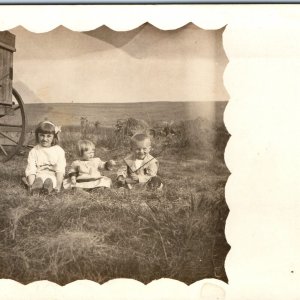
(155, 183)
(36, 187)
(48, 186)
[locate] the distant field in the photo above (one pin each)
(107, 113)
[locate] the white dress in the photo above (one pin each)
(45, 162)
(87, 173)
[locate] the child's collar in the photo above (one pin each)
(130, 159)
(130, 162)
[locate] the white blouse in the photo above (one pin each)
(87, 168)
(43, 160)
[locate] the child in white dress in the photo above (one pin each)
(85, 172)
(46, 161)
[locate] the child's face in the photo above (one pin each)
(141, 149)
(45, 139)
(88, 154)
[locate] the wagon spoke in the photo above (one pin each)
(3, 150)
(12, 128)
(8, 137)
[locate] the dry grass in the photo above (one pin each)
(176, 233)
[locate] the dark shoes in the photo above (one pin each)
(36, 186)
(155, 183)
(39, 186)
(48, 186)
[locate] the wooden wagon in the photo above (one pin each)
(12, 113)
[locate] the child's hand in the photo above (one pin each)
(134, 177)
(110, 164)
(121, 179)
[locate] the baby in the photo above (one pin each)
(140, 167)
(85, 172)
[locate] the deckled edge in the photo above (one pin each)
(114, 289)
(122, 18)
(245, 274)
(131, 17)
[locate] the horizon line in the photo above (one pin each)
(158, 101)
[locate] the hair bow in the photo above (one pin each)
(57, 129)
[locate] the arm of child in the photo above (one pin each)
(31, 169)
(59, 180)
(61, 162)
(60, 168)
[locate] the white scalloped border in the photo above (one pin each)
(263, 47)
(119, 18)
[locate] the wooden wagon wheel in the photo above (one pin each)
(12, 128)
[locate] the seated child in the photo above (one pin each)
(46, 161)
(140, 167)
(85, 172)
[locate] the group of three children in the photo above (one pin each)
(46, 166)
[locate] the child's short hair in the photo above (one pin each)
(47, 127)
(139, 137)
(84, 145)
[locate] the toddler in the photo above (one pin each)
(85, 172)
(140, 167)
(46, 161)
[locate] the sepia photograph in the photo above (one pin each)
(112, 152)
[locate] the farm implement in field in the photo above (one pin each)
(12, 112)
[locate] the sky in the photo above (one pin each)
(141, 65)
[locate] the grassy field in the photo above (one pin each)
(175, 233)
